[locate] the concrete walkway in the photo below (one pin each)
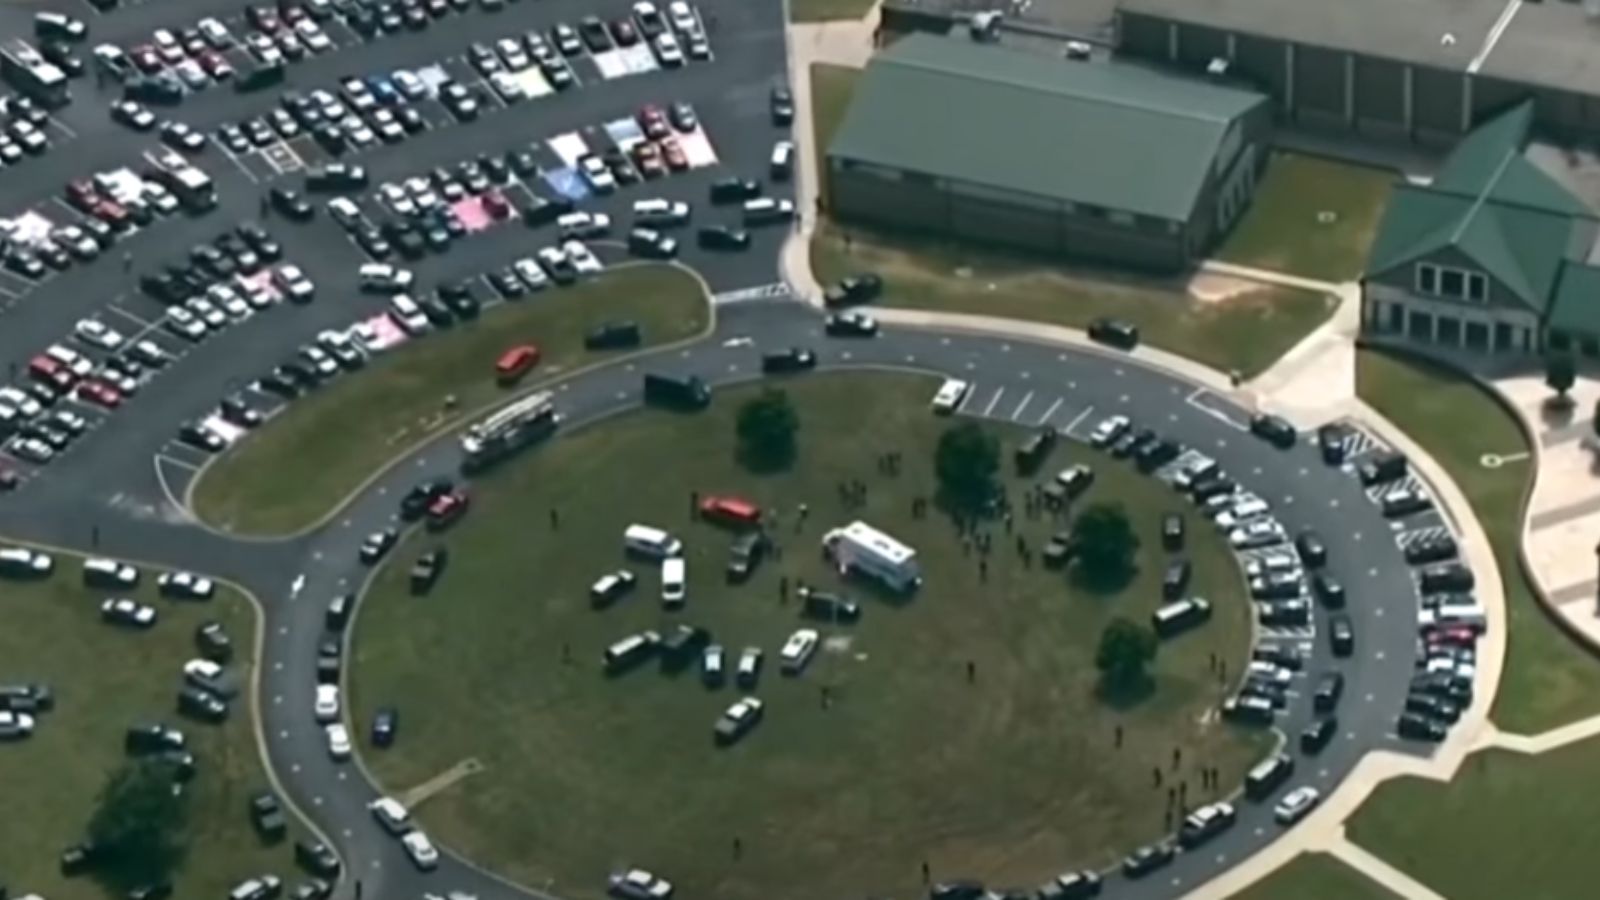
(1311, 384)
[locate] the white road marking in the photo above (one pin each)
(1021, 406)
(999, 392)
(1051, 411)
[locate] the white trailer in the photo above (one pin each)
(862, 549)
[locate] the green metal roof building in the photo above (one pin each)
(1493, 255)
(1104, 160)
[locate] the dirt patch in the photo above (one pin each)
(1208, 287)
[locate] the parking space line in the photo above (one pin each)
(233, 158)
(1017, 414)
(1051, 411)
(1077, 419)
(144, 324)
(999, 392)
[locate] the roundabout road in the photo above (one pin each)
(1304, 492)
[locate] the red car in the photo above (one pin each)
(446, 509)
(515, 363)
(96, 391)
(82, 195)
(50, 371)
(112, 213)
(147, 59)
(733, 511)
(495, 204)
(654, 123)
(1459, 636)
(673, 151)
(215, 65)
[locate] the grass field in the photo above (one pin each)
(1012, 776)
(106, 679)
(1284, 229)
(831, 89)
(827, 10)
(297, 466)
(1547, 681)
(1246, 332)
(1509, 825)
(1315, 876)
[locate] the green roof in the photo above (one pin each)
(1111, 134)
(1577, 301)
(1492, 205)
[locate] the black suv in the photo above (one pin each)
(613, 336)
(1275, 430)
(1114, 333)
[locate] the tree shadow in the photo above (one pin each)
(1122, 697)
(764, 461)
(1558, 410)
(1101, 580)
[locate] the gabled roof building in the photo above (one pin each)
(1493, 255)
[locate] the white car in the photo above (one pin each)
(512, 54)
(202, 673)
(20, 401)
(582, 224)
(640, 883)
(1257, 533)
(22, 560)
(187, 585)
(33, 450)
(384, 278)
(339, 345)
(682, 17)
(228, 300)
(413, 87)
(798, 649)
(660, 213)
(581, 258)
(167, 45)
(118, 379)
(338, 741)
(391, 814)
(312, 35)
(1296, 805)
(215, 33)
(421, 850)
(345, 212)
(327, 703)
(134, 114)
(264, 49)
(76, 362)
(14, 725)
(319, 360)
(294, 283)
(184, 323)
(159, 198)
(125, 611)
(257, 296)
(507, 86)
(597, 174)
(530, 273)
(950, 395)
(1108, 430)
(395, 197)
(207, 312)
(668, 50)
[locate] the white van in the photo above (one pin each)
(797, 650)
(767, 210)
(382, 277)
(673, 576)
(407, 314)
(650, 542)
(1461, 615)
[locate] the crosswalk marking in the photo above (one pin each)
(777, 290)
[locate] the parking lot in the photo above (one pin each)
(552, 88)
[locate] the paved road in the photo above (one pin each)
(109, 491)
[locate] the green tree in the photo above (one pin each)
(138, 829)
(1105, 544)
(768, 429)
(1560, 373)
(1125, 649)
(966, 462)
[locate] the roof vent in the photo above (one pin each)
(1447, 40)
(985, 26)
(1217, 68)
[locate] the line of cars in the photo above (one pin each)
(111, 205)
(361, 114)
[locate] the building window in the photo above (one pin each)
(1427, 279)
(1119, 217)
(1477, 287)
(1091, 211)
(1452, 283)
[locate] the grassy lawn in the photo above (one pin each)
(106, 679)
(1246, 332)
(827, 10)
(1315, 876)
(292, 470)
(1524, 822)
(831, 89)
(1548, 680)
(1011, 775)
(1282, 229)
